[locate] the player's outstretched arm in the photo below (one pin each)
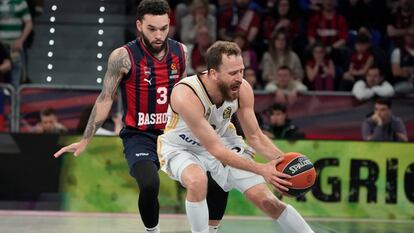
(188, 106)
(247, 118)
(119, 64)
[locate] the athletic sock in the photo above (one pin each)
(155, 229)
(197, 214)
(213, 229)
(291, 222)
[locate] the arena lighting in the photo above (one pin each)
(99, 68)
(100, 43)
(49, 66)
(100, 32)
(100, 20)
(49, 79)
(52, 19)
(50, 54)
(51, 42)
(99, 55)
(102, 9)
(54, 8)
(52, 30)
(99, 80)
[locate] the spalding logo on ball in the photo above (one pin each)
(301, 169)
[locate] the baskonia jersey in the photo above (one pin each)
(146, 89)
(177, 131)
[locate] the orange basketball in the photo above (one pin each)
(302, 171)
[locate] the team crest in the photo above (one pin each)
(147, 71)
(227, 113)
(173, 68)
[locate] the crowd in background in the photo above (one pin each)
(364, 47)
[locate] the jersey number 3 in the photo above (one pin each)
(162, 91)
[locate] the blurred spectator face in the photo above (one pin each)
(154, 31)
(199, 8)
(283, 78)
(48, 123)
(250, 76)
(383, 111)
(280, 41)
(242, 3)
(278, 118)
(409, 37)
(361, 47)
(240, 41)
(373, 77)
(283, 7)
(329, 5)
(203, 37)
(318, 53)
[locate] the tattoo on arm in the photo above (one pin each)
(119, 64)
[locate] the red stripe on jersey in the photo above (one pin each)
(143, 87)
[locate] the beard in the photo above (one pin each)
(226, 92)
(151, 48)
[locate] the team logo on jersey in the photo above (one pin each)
(227, 113)
(173, 68)
(147, 71)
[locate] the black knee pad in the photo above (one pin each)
(216, 199)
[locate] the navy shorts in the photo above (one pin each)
(140, 145)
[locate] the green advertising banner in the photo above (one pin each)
(355, 179)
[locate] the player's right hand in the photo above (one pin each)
(278, 179)
(77, 148)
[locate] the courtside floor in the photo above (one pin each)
(68, 222)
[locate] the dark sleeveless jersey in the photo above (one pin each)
(147, 87)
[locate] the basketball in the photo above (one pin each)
(302, 171)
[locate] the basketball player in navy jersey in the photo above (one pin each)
(145, 69)
(199, 138)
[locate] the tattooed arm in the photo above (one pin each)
(119, 64)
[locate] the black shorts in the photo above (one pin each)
(140, 145)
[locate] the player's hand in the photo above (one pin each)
(77, 148)
(278, 179)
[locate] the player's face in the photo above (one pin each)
(154, 31)
(230, 76)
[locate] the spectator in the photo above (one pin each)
(402, 64)
(331, 29)
(382, 125)
(198, 50)
(15, 27)
(280, 126)
(361, 60)
(320, 70)
(280, 16)
(285, 86)
(49, 123)
(248, 54)
(401, 19)
(280, 54)
(310, 5)
(373, 85)
(5, 65)
(242, 17)
(250, 76)
(198, 16)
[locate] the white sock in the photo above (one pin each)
(291, 222)
(155, 229)
(197, 214)
(213, 229)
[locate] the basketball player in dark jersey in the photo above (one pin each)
(146, 70)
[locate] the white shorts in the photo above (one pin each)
(178, 158)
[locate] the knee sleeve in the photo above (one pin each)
(216, 199)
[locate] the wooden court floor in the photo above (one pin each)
(69, 222)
